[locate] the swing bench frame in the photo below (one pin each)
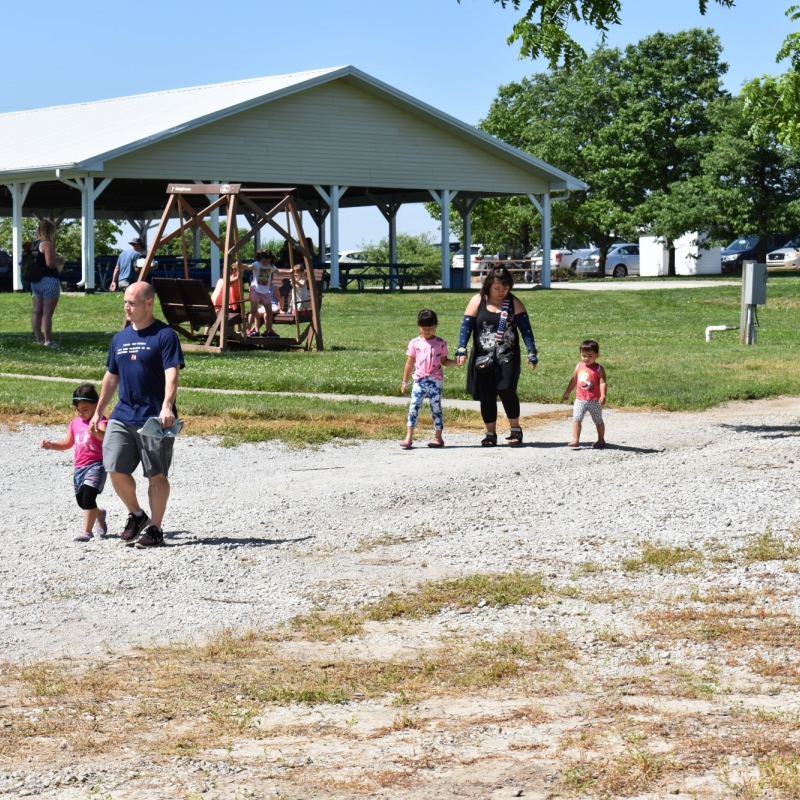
(231, 196)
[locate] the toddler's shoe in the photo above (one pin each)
(100, 523)
(86, 536)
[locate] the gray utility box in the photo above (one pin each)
(754, 284)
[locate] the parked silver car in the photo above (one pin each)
(622, 260)
(787, 257)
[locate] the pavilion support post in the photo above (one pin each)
(215, 228)
(332, 197)
(444, 198)
(389, 211)
(89, 193)
(464, 207)
(318, 214)
(196, 242)
(544, 208)
(19, 191)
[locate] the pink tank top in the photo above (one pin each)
(588, 381)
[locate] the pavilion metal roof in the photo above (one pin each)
(83, 135)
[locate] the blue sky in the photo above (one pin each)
(450, 55)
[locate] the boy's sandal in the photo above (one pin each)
(436, 443)
(574, 445)
(515, 437)
(406, 445)
(490, 440)
(599, 446)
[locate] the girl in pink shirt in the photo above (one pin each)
(89, 476)
(427, 354)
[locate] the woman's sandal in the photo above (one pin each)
(515, 438)
(406, 445)
(436, 443)
(490, 440)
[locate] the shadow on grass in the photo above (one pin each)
(766, 431)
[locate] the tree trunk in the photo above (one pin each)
(762, 249)
(671, 264)
(601, 262)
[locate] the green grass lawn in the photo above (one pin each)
(652, 345)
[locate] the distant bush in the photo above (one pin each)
(563, 274)
(411, 249)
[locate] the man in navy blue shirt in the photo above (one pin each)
(125, 269)
(144, 362)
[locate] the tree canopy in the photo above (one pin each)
(774, 100)
(630, 123)
(542, 30)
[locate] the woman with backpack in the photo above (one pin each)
(47, 289)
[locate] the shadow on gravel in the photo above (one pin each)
(766, 431)
(622, 448)
(227, 541)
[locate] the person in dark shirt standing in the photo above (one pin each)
(125, 269)
(144, 362)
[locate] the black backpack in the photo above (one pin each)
(30, 270)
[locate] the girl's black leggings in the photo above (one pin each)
(510, 403)
(87, 497)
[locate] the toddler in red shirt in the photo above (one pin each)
(589, 382)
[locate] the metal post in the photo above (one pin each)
(466, 246)
(89, 193)
(444, 198)
(87, 235)
(321, 241)
(19, 191)
(196, 242)
(334, 206)
(445, 206)
(546, 230)
(393, 251)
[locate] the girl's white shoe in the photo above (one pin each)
(100, 524)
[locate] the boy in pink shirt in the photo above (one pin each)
(427, 354)
(89, 476)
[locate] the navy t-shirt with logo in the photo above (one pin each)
(140, 358)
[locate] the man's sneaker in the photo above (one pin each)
(152, 537)
(100, 523)
(86, 536)
(133, 527)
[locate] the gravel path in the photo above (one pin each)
(256, 533)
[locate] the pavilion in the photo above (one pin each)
(342, 137)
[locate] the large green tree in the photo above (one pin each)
(543, 28)
(774, 100)
(748, 184)
(630, 123)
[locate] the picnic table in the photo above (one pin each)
(360, 271)
(520, 268)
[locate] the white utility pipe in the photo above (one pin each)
(711, 328)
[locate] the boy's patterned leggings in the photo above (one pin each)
(432, 389)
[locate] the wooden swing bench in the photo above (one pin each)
(186, 303)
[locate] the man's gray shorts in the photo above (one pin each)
(124, 449)
(123, 284)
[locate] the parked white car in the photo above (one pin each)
(351, 257)
(622, 260)
(475, 253)
(560, 257)
(786, 257)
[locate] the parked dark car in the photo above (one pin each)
(6, 272)
(745, 248)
